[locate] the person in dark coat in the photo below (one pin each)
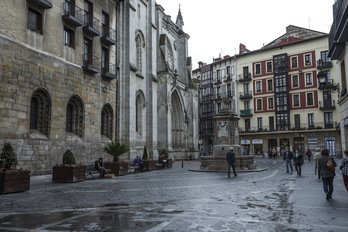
(288, 157)
(231, 159)
(298, 161)
(326, 174)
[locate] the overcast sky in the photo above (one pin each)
(219, 26)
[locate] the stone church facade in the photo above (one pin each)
(77, 74)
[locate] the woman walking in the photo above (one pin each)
(344, 169)
(327, 173)
(298, 161)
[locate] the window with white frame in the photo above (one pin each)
(294, 63)
(296, 100)
(259, 104)
(308, 59)
(258, 86)
(259, 123)
(311, 120)
(269, 67)
(294, 81)
(309, 79)
(270, 103)
(310, 99)
(269, 85)
(257, 69)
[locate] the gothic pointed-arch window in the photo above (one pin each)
(139, 103)
(75, 116)
(40, 111)
(178, 120)
(139, 54)
(107, 121)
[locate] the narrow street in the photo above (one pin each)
(181, 199)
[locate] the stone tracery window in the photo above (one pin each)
(139, 54)
(75, 116)
(40, 111)
(107, 121)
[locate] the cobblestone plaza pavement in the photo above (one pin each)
(180, 199)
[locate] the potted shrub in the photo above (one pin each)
(69, 171)
(117, 167)
(11, 179)
(149, 164)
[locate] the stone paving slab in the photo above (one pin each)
(180, 200)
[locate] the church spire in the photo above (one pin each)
(179, 20)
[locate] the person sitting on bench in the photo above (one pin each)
(162, 160)
(138, 162)
(99, 165)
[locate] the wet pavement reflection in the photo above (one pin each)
(180, 199)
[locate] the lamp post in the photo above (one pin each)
(324, 82)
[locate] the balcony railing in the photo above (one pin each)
(245, 95)
(293, 127)
(246, 113)
(324, 64)
(246, 77)
(108, 70)
(228, 78)
(91, 25)
(329, 84)
(108, 35)
(90, 63)
(72, 14)
(327, 105)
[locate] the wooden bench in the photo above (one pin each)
(92, 172)
(159, 166)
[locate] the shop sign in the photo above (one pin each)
(257, 141)
(245, 141)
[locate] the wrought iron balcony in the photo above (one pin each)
(245, 95)
(108, 35)
(91, 25)
(324, 64)
(72, 14)
(90, 63)
(246, 77)
(327, 105)
(228, 78)
(108, 70)
(246, 113)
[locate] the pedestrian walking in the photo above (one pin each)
(309, 155)
(298, 161)
(231, 159)
(317, 155)
(327, 174)
(288, 157)
(344, 169)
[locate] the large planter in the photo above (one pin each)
(169, 163)
(12, 181)
(118, 168)
(68, 174)
(149, 165)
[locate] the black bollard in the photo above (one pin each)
(182, 163)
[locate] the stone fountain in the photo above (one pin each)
(226, 135)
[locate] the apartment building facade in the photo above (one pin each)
(218, 93)
(338, 53)
(279, 102)
(282, 105)
(77, 74)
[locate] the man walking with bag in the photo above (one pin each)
(231, 159)
(288, 157)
